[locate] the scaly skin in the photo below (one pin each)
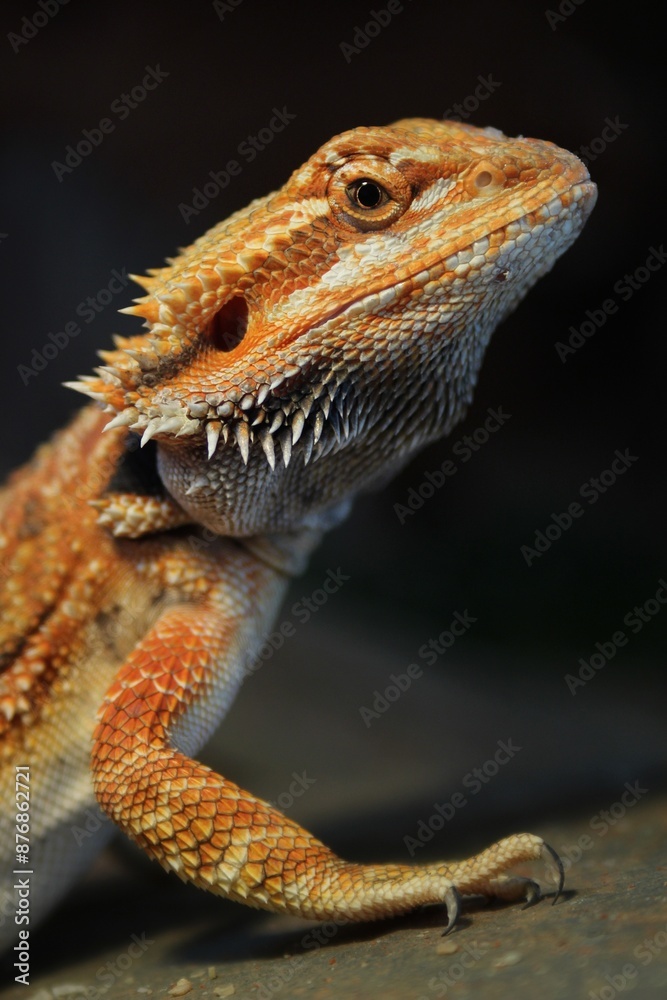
(296, 354)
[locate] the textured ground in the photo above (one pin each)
(585, 780)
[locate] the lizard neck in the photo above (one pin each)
(289, 552)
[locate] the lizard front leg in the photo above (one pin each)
(164, 700)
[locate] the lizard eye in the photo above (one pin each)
(367, 193)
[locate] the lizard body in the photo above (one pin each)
(294, 355)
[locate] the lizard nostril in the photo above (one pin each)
(228, 326)
(483, 178)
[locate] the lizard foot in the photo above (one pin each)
(477, 875)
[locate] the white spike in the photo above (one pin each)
(189, 427)
(242, 434)
(170, 424)
(266, 442)
(122, 419)
(109, 374)
(83, 388)
(212, 436)
(278, 421)
(318, 427)
(298, 421)
(152, 428)
(146, 359)
(285, 439)
(197, 485)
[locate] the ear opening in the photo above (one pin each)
(228, 327)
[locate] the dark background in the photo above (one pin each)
(120, 209)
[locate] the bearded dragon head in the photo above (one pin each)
(312, 342)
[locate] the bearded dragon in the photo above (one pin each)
(296, 354)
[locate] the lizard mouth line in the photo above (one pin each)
(580, 193)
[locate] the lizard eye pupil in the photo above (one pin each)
(366, 194)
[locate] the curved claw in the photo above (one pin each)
(533, 893)
(559, 867)
(453, 904)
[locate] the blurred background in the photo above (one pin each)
(574, 74)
